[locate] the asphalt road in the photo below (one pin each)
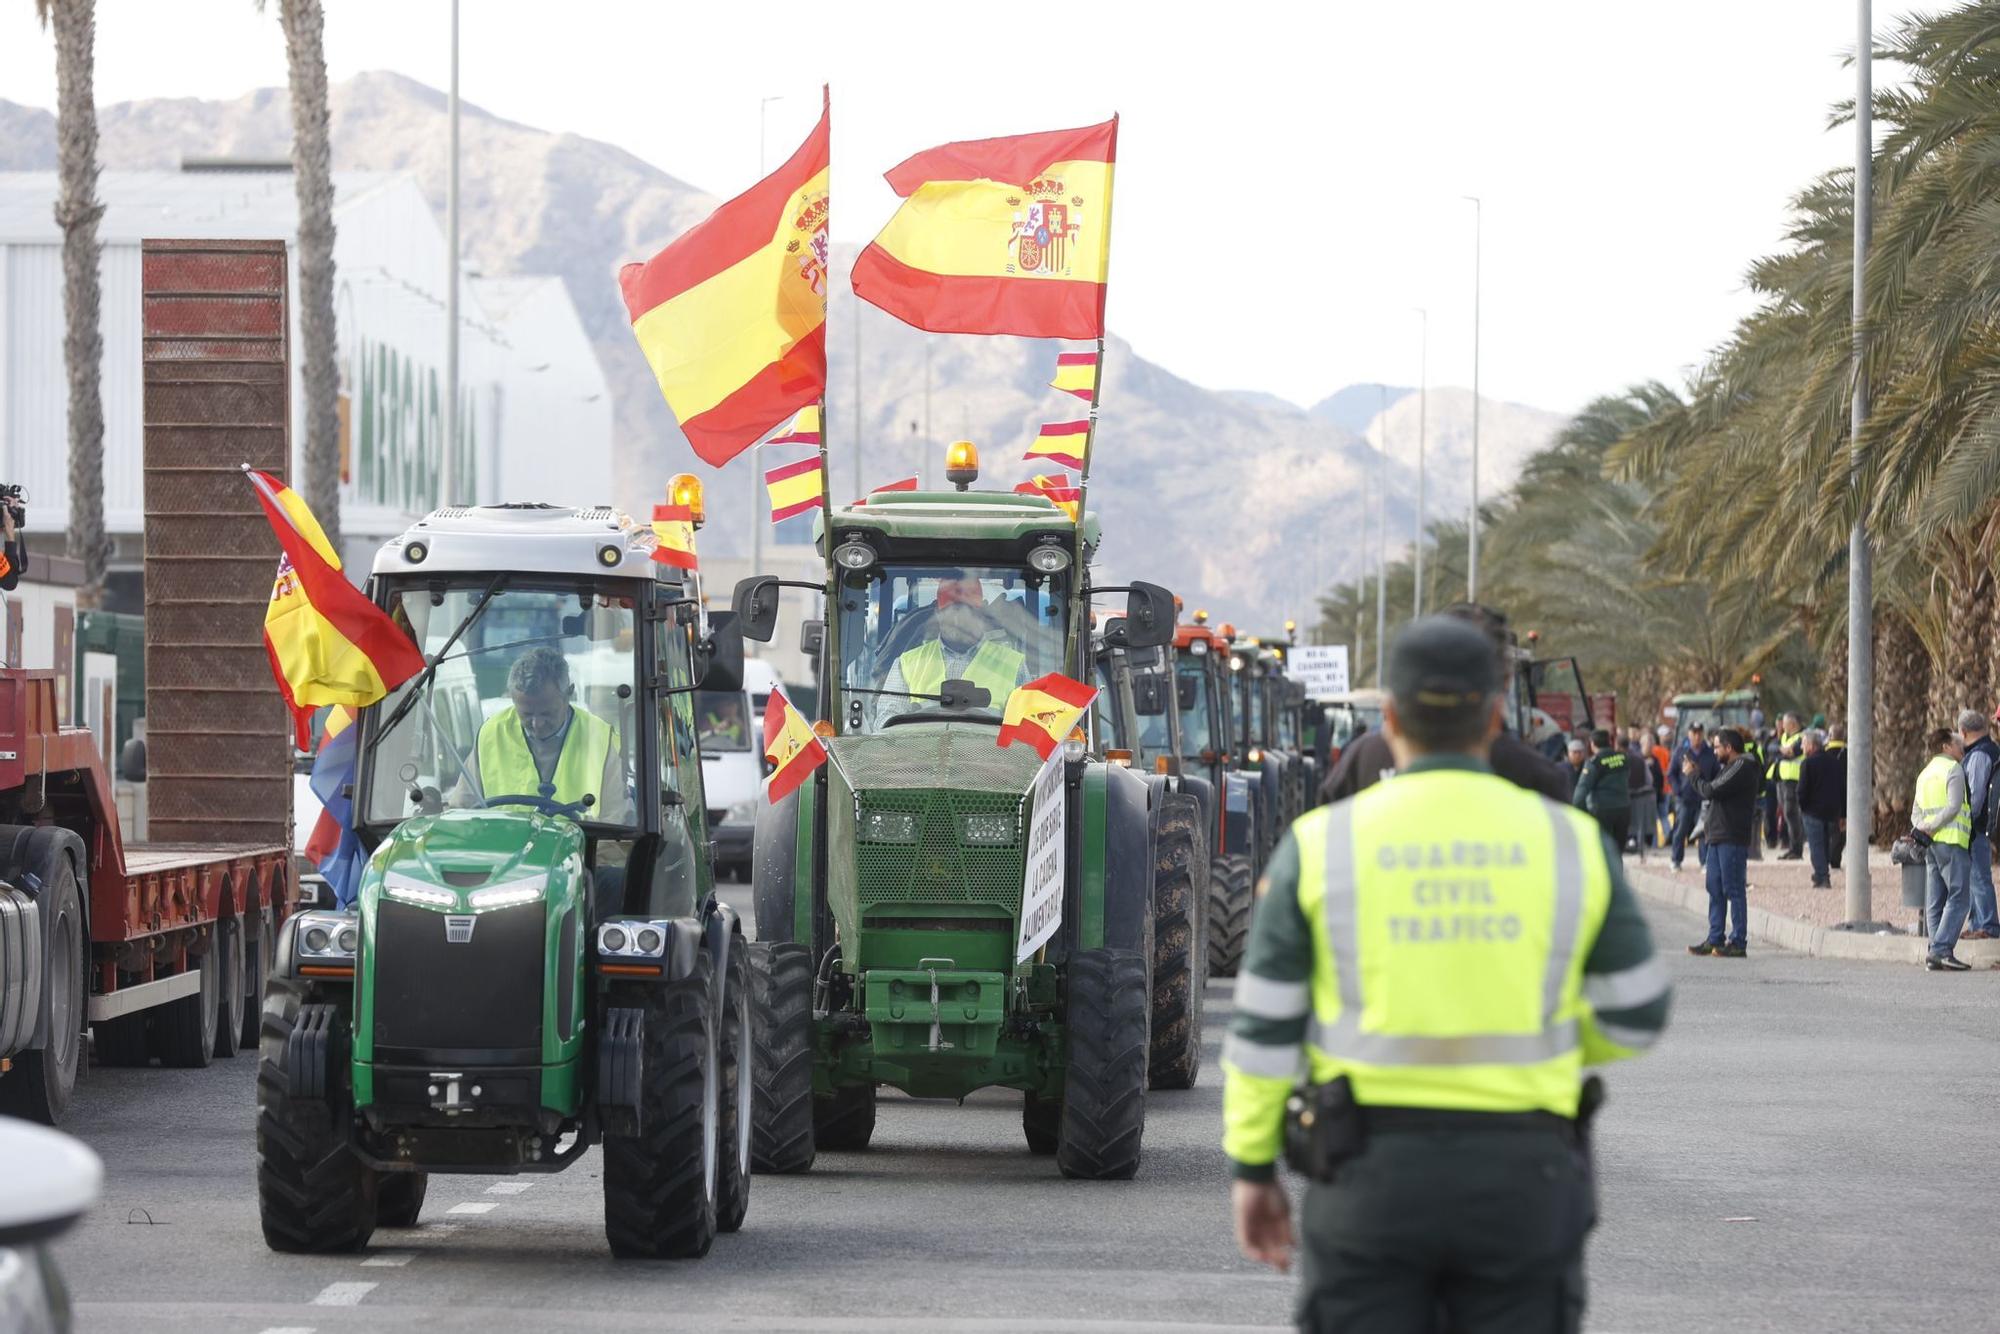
(1806, 1151)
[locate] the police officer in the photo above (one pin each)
(1439, 957)
(1604, 788)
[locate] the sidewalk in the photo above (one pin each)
(1787, 912)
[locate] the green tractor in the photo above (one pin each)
(936, 912)
(535, 962)
(1214, 773)
(1257, 685)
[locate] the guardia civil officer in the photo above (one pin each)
(1432, 966)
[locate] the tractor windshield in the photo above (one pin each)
(534, 700)
(1199, 731)
(907, 629)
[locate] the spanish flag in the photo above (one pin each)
(795, 487)
(328, 643)
(804, 429)
(1043, 711)
(1060, 442)
(1056, 489)
(732, 315)
(999, 236)
(673, 531)
(791, 747)
(1076, 373)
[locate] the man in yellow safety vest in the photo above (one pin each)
(1419, 1001)
(965, 644)
(1941, 818)
(540, 740)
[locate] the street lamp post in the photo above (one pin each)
(448, 482)
(1423, 422)
(1472, 529)
(1860, 590)
(758, 517)
(1381, 534)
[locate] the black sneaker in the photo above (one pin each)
(1934, 964)
(1732, 952)
(1953, 964)
(1706, 947)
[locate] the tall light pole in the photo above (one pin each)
(448, 482)
(1423, 423)
(1860, 590)
(1472, 529)
(1381, 534)
(758, 516)
(855, 320)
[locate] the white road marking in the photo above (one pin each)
(389, 1259)
(509, 1187)
(289, 1329)
(342, 1294)
(473, 1207)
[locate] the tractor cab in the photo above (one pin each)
(1206, 698)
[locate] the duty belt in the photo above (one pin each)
(1393, 1120)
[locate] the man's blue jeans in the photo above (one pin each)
(1690, 814)
(1983, 909)
(1946, 890)
(1728, 877)
(1818, 834)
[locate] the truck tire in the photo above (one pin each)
(732, 1190)
(1228, 914)
(1104, 1089)
(314, 1194)
(1041, 1123)
(1180, 955)
(124, 1041)
(659, 1184)
(845, 1122)
(257, 954)
(229, 1003)
(781, 1028)
(184, 1029)
(399, 1197)
(40, 1083)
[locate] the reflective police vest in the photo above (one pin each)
(1933, 791)
(1457, 912)
(507, 767)
(996, 668)
(1788, 770)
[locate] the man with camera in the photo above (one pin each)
(13, 542)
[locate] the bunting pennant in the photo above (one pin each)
(795, 488)
(804, 429)
(1076, 373)
(673, 529)
(791, 748)
(1060, 442)
(1042, 712)
(900, 484)
(1056, 489)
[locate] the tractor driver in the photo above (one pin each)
(964, 642)
(543, 739)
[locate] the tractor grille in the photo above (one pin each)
(475, 1003)
(940, 867)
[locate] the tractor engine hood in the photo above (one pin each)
(466, 850)
(913, 757)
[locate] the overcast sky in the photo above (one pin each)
(1290, 175)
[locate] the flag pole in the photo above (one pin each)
(1077, 602)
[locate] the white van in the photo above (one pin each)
(731, 723)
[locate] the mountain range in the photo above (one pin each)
(1239, 500)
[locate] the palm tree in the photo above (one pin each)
(312, 178)
(77, 212)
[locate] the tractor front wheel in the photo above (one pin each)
(845, 1121)
(660, 1184)
(313, 1192)
(1180, 960)
(781, 1028)
(1104, 1088)
(1228, 914)
(1041, 1123)
(399, 1197)
(732, 1191)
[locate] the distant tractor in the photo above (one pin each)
(1214, 769)
(937, 913)
(536, 961)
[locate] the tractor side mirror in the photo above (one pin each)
(1149, 694)
(1187, 692)
(755, 603)
(812, 638)
(1149, 615)
(723, 668)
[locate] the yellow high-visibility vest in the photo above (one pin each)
(1788, 770)
(996, 668)
(507, 767)
(1933, 790)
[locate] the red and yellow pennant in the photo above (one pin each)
(327, 642)
(900, 484)
(673, 531)
(1060, 442)
(1076, 373)
(1056, 489)
(791, 747)
(804, 430)
(1043, 711)
(795, 488)
(732, 315)
(999, 236)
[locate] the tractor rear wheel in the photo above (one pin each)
(313, 1191)
(1228, 914)
(184, 1029)
(399, 1197)
(1041, 1123)
(845, 1121)
(732, 1171)
(1180, 960)
(1104, 1089)
(660, 1184)
(781, 1029)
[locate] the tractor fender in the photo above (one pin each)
(1203, 792)
(28, 862)
(1128, 861)
(1241, 829)
(718, 925)
(774, 868)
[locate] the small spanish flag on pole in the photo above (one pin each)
(804, 429)
(673, 529)
(1076, 373)
(1043, 711)
(1060, 442)
(795, 488)
(791, 747)
(1057, 489)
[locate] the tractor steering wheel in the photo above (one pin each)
(569, 810)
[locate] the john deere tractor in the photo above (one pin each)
(935, 912)
(536, 962)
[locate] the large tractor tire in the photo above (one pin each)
(399, 1197)
(1180, 954)
(660, 1184)
(1228, 913)
(229, 947)
(845, 1122)
(732, 1170)
(314, 1194)
(184, 1029)
(41, 1081)
(1041, 1123)
(1104, 1088)
(781, 1028)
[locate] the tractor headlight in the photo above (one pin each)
(1049, 559)
(612, 939)
(508, 896)
(854, 555)
(632, 939)
(318, 939)
(649, 940)
(1256, 755)
(415, 891)
(1198, 648)
(349, 940)
(888, 827)
(328, 935)
(990, 829)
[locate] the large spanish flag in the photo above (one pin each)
(999, 236)
(327, 642)
(732, 315)
(1043, 711)
(791, 747)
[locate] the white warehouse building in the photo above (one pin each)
(535, 421)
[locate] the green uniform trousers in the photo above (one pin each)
(1463, 1231)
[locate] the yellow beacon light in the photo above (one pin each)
(961, 463)
(684, 488)
(1200, 616)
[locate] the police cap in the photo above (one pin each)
(1441, 664)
